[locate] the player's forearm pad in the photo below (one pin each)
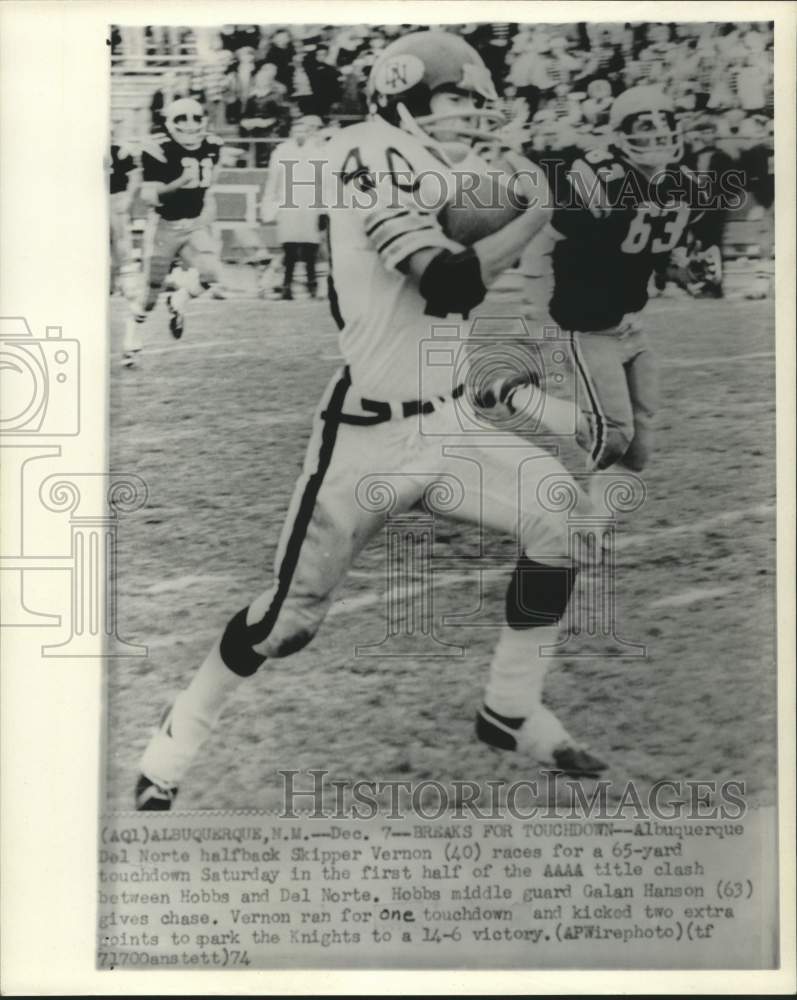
(452, 283)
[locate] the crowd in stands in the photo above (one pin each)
(555, 81)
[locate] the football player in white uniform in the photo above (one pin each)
(391, 413)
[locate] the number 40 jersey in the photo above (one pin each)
(613, 222)
(385, 190)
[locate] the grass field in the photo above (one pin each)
(216, 425)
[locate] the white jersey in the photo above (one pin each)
(385, 190)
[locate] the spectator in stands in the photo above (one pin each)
(595, 108)
(266, 114)
(756, 162)
(324, 81)
(606, 58)
(238, 83)
(281, 53)
(235, 37)
(752, 81)
(704, 156)
(348, 45)
(353, 102)
(214, 64)
(529, 73)
(293, 197)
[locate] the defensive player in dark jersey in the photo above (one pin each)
(179, 168)
(618, 211)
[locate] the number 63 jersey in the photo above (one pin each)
(612, 223)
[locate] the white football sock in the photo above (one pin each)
(180, 299)
(518, 670)
(132, 336)
(193, 716)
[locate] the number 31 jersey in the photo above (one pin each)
(164, 160)
(614, 222)
(384, 190)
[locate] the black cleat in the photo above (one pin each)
(153, 797)
(543, 737)
(578, 763)
(176, 320)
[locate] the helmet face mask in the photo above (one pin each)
(646, 130)
(458, 116)
(435, 86)
(652, 139)
(186, 122)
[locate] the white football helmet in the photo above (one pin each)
(415, 67)
(645, 128)
(186, 122)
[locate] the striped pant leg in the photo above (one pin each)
(604, 396)
(643, 387)
(324, 530)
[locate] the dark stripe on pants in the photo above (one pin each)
(238, 638)
(332, 292)
(600, 428)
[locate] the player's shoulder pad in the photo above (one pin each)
(153, 146)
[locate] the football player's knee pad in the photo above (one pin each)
(538, 593)
(236, 647)
(616, 442)
(282, 631)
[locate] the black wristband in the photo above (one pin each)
(452, 283)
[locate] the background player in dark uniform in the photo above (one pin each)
(178, 169)
(124, 179)
(618, 211)
(705, 158)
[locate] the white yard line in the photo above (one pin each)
(198, 345)
(727, 359)
(443, 581)
(688, 597)
(718, 520)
